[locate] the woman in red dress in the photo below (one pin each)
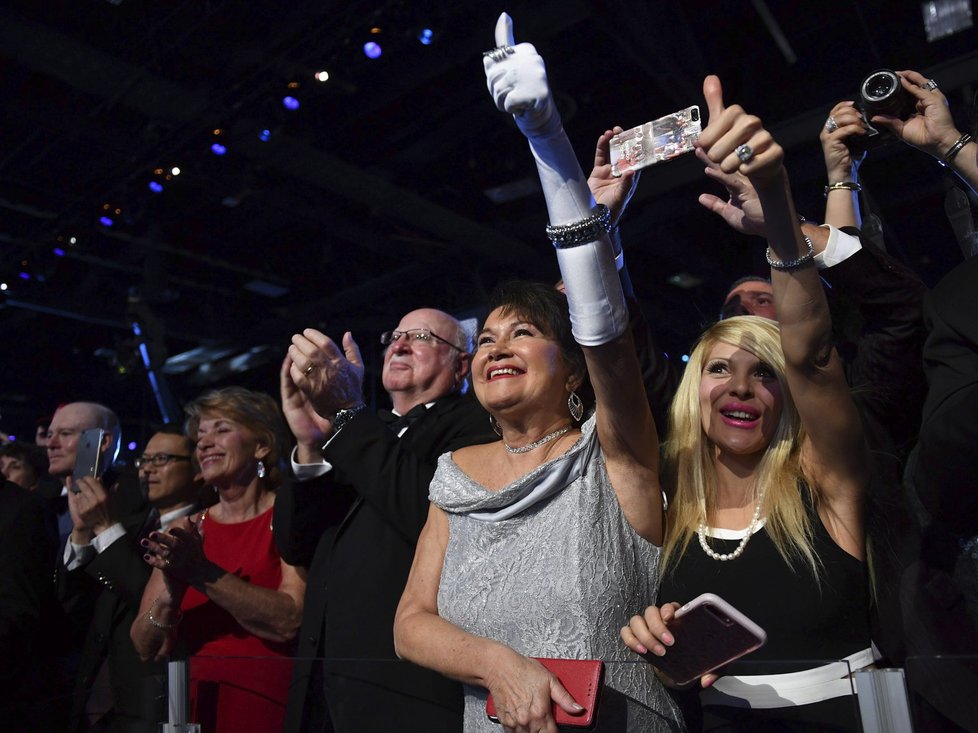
(219, 593)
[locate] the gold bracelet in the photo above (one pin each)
(158, 624)
(844, 186)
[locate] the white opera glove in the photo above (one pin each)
(518, 84)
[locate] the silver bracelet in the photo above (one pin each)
(581, 232)
(158, 624)
(795, 263)
(955, 149)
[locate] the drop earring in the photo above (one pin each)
(261, 469)
(575, 406)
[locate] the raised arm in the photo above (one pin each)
(932, 128)
(842, 165)
(517, 80)
(835, 454)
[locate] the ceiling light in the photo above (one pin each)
(322, 76)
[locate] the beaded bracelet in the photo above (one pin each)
(581, 232)
(158, 624)
(955, 149)
(844, 186)
(795, 263)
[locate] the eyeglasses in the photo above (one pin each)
(415, 335)
(158, 459)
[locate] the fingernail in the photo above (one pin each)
(146, 557)
(144, 542)
(642, 649)
(577, 707)
(660, 651)
(667, 638)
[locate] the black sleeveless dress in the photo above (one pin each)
(809, 622)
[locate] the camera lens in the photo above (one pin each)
(694, 115)
(880, 85)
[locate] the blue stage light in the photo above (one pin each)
(426, 36)
(156, 187)
(218, 149)
(132, 445)
(685, 358)
(290, 103)
(23, 276)
(58, 252)
(105, 221)
(372, 49)
(264, 135)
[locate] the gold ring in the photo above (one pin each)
(309, 370)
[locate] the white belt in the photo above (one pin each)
(792, 688)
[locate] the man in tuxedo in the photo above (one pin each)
(354, 513)
(100, 579)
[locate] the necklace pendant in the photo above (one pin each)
(537, 443)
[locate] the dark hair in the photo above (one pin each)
(546, 308)
(747, 279)
(31, 454)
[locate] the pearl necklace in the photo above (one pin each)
(739, 550)
(537, 443)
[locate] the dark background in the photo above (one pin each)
(371, 198)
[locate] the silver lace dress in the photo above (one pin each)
(550, 566)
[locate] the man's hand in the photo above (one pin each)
(309, 428)
(932, 128)
(91, 509)
(329, 379)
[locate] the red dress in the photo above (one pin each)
(238, 682)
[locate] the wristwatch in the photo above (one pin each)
(344, 416)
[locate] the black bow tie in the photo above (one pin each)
(397, 422)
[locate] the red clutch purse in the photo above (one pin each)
(582, 678)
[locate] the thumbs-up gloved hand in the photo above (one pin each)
(517, 80)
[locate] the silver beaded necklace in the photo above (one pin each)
(739, 550)
(537, 443)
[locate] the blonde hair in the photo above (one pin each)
(256, 411)
(689, 476)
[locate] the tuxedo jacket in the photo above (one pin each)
(103, 597)
(358, 563)
(29, 622)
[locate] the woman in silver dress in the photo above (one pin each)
(535, 544)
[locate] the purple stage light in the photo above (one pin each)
(218, 149)
(372, 49)
(132, 445)
(105, 221)
(264, 135)
(58, 252)
(156, 187)
(23, 276)
(290, 103)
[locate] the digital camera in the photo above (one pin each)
(881, 93)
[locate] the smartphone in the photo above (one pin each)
(656, 141)
(88, 459)
(709, 633)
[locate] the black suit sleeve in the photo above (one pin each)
(885, 371)
(304, 510)
(945, 474)
(393, 474)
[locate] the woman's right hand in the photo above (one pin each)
(840, 164)
(524, 692)
(649, 633)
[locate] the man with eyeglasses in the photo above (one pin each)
(168, 475)
(100, 578)
(358, 563)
